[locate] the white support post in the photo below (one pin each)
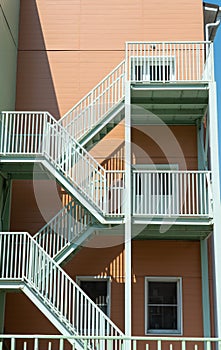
(213, 128)
(127, 244)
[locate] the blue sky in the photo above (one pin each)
(217, 50)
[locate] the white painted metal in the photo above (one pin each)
(63, 229)
(115, 197)
(39, 134)
(215, 167)
(22, 132)
(167, 61)
(128, 211)
(23, 259)
(96, 105)
(172, 193)
(35, 342)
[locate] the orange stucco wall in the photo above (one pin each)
(66, 47)
(150, 258)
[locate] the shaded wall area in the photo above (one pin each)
(67, 47)
(9, 22)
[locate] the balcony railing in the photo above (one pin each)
(163, 62)
(36, 342)
(172, 193)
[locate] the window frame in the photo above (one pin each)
(98, 279)
(179, 330)
(152, 61)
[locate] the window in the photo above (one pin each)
(153, 68)
(98, 290)
(163, 305)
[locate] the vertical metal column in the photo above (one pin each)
(127, 243)
(213, 128)
(202, 165)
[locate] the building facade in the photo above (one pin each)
(110, 195)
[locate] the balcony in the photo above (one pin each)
(161, 62)
(169, 80)
(172, 194)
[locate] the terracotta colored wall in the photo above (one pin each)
(150, 258)
(66, 47)
(150, 144)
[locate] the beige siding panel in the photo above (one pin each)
(90, 25)
(55, 81)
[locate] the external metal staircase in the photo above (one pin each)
(61, 148)
(37, 136)
(66, 231)
(25, 265)
(99, 111)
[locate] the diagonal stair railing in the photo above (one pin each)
(39, 135)
(92, 109)
(24, 261)
(64, 229)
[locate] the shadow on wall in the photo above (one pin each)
(35, 88)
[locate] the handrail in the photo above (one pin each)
(25, 260)
(39, 134)
(94, 106)
(172, 193)
(65, 227)
(168, 61)
(123, 342)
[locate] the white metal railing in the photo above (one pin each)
(94, 107)
(23, 132)
(39, 134)
(75, 164)
(115, 180)
(63, 229)
(23, 259)
(36, 342)
(172, 193)
(168, 61)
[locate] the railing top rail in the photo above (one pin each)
(93, 89)
(123, 337)
(115, 171)
(23, 112)
(173, 171)
(169, 42)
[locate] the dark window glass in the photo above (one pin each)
(162, 305)
(97, 291)
(159, 72)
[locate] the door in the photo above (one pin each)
(156, 191)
